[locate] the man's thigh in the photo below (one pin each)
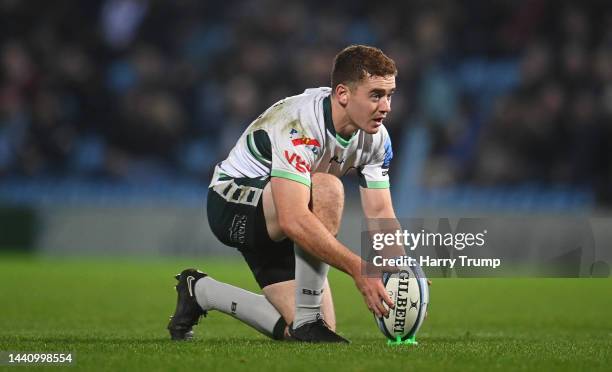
(282, 296)
(237, 220)
(271, 217)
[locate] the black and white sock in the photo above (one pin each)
(310, 275)
(250, 308)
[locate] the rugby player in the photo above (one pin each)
(278, 199)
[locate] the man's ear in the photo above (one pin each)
(342, 93)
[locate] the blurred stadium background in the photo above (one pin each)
(113, 112)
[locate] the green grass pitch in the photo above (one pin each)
(112, 314)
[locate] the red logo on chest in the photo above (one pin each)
(297, 162)
(306, 141)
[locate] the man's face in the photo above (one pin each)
(369, 102)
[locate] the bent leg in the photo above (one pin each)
(252, 309)
(312, 295)
(327, 203)
(282, 296)
(327, 200)
(276, 308)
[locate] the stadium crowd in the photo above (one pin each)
(510, 92)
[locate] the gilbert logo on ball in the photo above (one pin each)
(410, 293)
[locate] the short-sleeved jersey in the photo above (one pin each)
(296, 137)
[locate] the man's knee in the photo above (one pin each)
(328, 200)
(328, 184)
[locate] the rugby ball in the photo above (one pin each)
(410, 293)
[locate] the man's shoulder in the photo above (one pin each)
(307, 102)
(318, 91)
(301, 114)
(310, 94)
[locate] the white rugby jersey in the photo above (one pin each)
(296, 137)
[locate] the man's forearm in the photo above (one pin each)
(309, 233)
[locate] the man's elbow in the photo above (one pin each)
(289, 222)
(286, 223)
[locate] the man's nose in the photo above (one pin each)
(385, 105)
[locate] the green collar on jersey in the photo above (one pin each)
(329, 123)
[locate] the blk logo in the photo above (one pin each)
(312, 292)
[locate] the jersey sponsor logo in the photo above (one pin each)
(294, 134)
(298, 139)
(336, 159)
(306, 141)
(297, 162)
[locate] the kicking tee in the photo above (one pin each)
(295, 137)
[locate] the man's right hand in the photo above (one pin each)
(374, 293)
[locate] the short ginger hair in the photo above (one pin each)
(355, 62)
